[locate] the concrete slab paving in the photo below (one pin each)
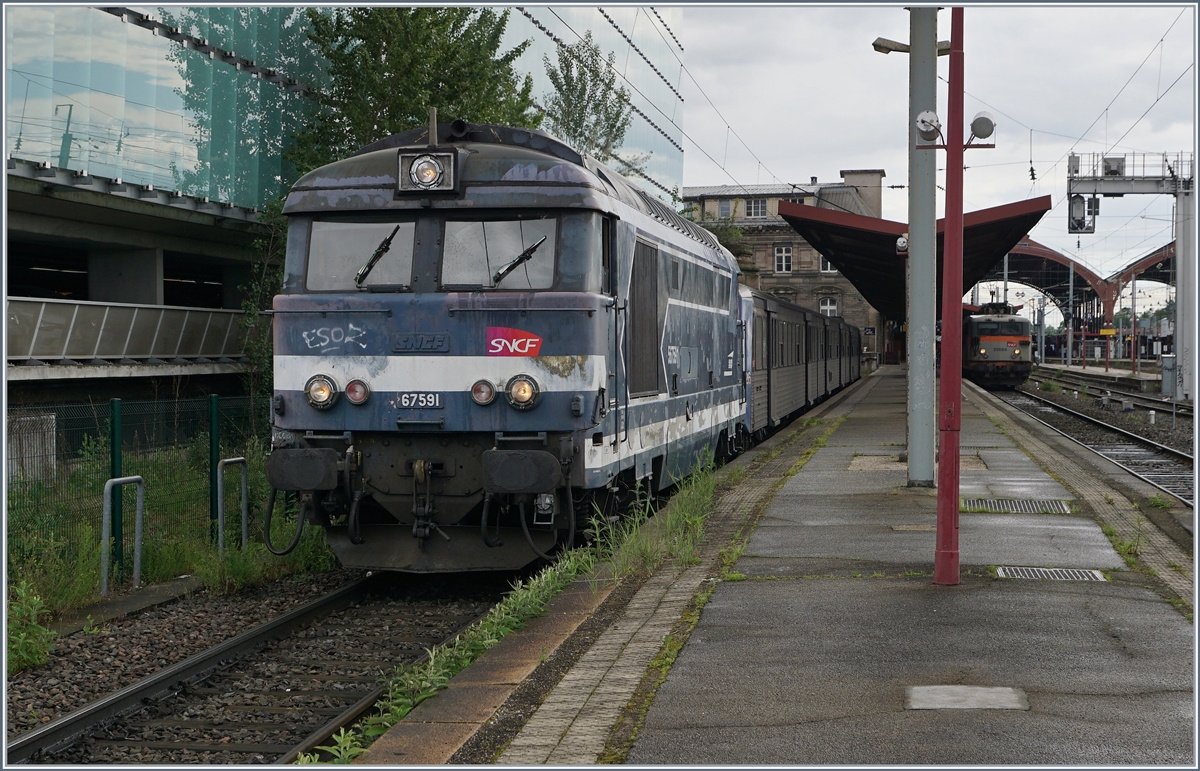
(814, 671)
(805, 663)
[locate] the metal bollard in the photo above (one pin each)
(106, 530)
(221, 502)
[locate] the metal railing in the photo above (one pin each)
(221, 466)
(76, 330)
(106, 530)
(1135, 165)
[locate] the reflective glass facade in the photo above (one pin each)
(86, 90)
(649, 59)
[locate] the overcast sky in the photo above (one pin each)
(803, 88)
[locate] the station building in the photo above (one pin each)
(142, 144)
(782, 262)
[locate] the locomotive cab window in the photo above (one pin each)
(338, 250)
(515, 253)
(1002, 328)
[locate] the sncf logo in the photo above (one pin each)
(505, 341)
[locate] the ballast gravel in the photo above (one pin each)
(87, 665)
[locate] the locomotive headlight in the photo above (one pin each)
(426, 171)
(357, 392)
(522, 392)
(1016, 353)
(483, 392)
(983, 351)
(321, 391)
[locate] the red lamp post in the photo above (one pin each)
(945, 562)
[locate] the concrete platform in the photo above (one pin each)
(814, 658)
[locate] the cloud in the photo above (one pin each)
(808, 95)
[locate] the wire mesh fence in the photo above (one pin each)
(60, 456)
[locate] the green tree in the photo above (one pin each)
(389, 65)
(266, 275)
(587, 109)
(726, 232)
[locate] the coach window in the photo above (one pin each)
(339, 248)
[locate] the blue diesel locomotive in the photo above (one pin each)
(482, 337)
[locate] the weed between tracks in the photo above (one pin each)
(29, 643)
(628, 546)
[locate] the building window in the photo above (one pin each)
(723, 209)
(783, 259)
(827, 266)
(829, 306)
(756, 207)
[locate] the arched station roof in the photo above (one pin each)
(863, 248)
(1047, 270)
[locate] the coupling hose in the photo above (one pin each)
(267, 526)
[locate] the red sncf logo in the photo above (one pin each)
(505, 341)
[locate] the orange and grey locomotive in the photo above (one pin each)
(997, 347)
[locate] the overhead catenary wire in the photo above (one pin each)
(728, 127)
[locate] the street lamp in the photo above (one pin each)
(923, 49)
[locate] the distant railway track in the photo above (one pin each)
(263, 696)
(1161, 406)
(1164, 467)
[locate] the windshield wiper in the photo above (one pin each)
(522, 257)
(380, 250)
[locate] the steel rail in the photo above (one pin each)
(137, 696)
(1110, 427)
(1147, 480)
(361, 707)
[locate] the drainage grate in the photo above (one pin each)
(1008, 506)
(1052, 574)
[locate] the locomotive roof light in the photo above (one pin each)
(321, 391)
(357, 392)
(483, 392)
(522, 391)
(426, 171)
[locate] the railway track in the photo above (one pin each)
(1164, 467)
(1161, 406)
(266, 695)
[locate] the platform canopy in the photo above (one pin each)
(863, 248)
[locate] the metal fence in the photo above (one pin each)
(60, 456)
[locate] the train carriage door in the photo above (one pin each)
(772, 365)
(645, 324)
